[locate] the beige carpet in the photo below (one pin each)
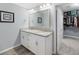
(69, 46)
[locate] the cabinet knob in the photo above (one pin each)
(23, 37)
(28, 39)
(36, 43)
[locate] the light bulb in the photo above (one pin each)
(44, 5)
(32, 9)
(41, 7)
(48, 4)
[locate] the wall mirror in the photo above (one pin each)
(40, 19)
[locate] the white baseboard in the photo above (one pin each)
(9, 49)
(75, 37)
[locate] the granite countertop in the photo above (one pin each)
(37, 32)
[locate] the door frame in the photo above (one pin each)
(57, 47)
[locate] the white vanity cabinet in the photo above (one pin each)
(25, 39)
(40, 45)
(37, 44)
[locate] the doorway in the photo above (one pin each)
(71, 23)
(67, 29)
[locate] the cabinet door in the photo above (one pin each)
(25, 39)
(33, 44)
(41, 45)
(49, 46)
(37, 44)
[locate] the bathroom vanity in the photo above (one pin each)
(38, 37)
(37, 41)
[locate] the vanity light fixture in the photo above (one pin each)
(32, 9)
(41, 7)
(48, 5)
(44, 5)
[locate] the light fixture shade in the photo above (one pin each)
(45, 6)
(48, 5)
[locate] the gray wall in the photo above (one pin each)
(9, 32)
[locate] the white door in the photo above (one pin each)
(59, 28)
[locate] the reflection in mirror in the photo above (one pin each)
(40, 20)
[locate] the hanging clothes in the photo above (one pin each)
(75, 21)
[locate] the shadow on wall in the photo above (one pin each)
(18, 39)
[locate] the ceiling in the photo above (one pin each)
(69, 6)
(28, 5)
(63, 6)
